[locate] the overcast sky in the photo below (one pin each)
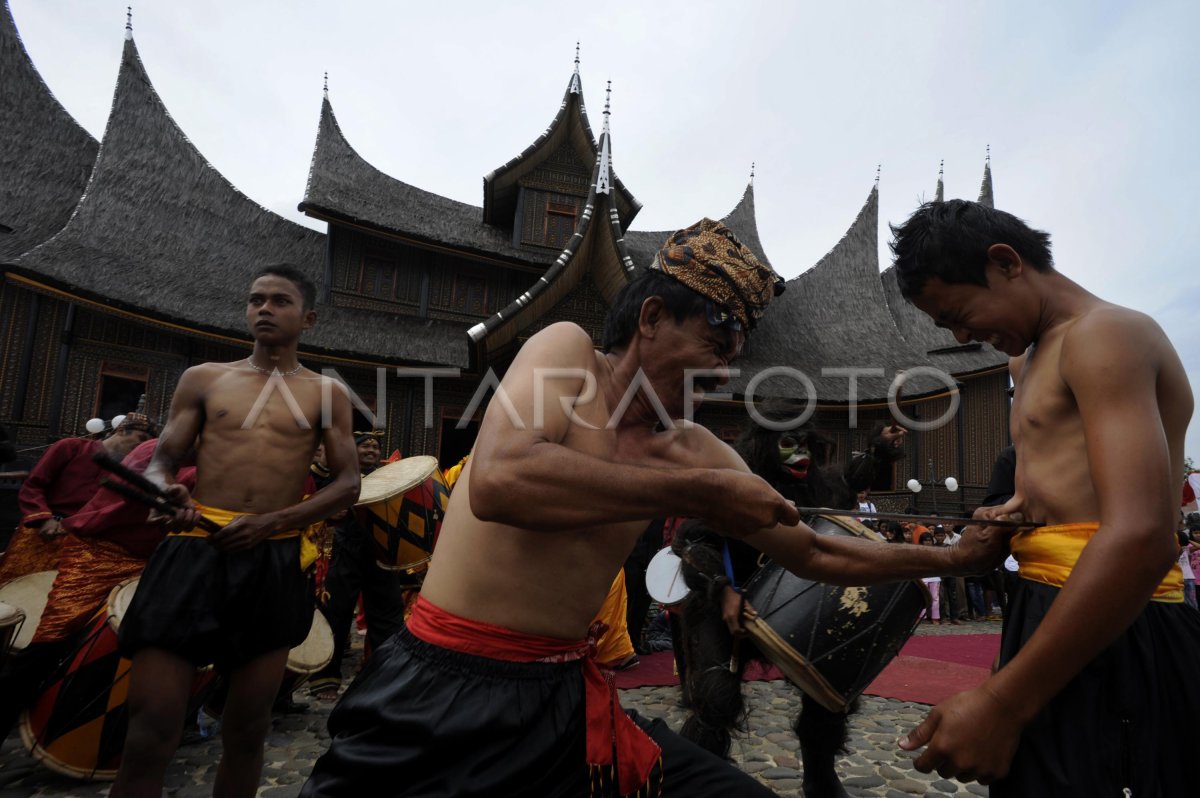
(1091, 109)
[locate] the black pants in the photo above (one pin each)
(1125, 721)
(425, 721)
(353, 571)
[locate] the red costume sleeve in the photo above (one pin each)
(111, 516)
(35, 495)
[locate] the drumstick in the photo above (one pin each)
(924, 519)
(129, 475)
(157, 502)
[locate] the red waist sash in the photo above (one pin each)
(609, 729)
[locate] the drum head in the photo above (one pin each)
(317, 649)
(28, 593)
(10, 615)
(119, 600)
(664, 578)
(395, 478)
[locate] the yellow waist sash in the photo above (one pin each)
(1047, 554)
(308, 549)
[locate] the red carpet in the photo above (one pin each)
(928, 670)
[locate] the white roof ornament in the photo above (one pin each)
(575, 87)
(604, 177)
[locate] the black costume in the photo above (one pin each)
(210, 606)
(714, 692)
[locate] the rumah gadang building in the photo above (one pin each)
(124, 261)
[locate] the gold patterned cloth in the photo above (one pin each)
(708, 258)
(28, 552)
(88, 569)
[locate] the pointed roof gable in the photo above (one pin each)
(834, 316)
(569, 126)
(596, 248)
(46, 157)
(160, 231)
(985, 188)
(344, 187)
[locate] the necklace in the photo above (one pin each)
(262, 370)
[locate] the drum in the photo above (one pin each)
(664, 579)
(76, 726)
(303, 661)
(310, 656)
(12, 619)
(402, 504)
(28, 593)
(831, 641)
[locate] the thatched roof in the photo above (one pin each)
(45, 156)
(501, 186)
(596, 247)
(985, 188)
(343, 186)
(938, 345)
(159, 231)
(643, 245)
(835, 316)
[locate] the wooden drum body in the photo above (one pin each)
(831, 641)
(402, 504)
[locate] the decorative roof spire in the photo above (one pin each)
(326, 85)
(128, 23)
(575, 87)
(941, 191)
(878, 169)
(985, 189)
(604, 174)
(752, 173)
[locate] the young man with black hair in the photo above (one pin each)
(237, 597)
(1094, 693)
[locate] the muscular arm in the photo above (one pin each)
(523, 475)
(184, 422)
(839, 560)
(1112, 370)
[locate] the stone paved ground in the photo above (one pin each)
(874, 766)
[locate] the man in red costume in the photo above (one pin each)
(60, 484)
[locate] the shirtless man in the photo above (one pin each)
(483, 693)
(238, 597)
(1094, 693)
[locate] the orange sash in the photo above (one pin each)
(1047, 554)
(608, 727)
(308, 549)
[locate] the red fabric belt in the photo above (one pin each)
(609, 729)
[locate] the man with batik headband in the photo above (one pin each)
(493, 688)
(708, 258)
(353, 572)
(60, 484)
